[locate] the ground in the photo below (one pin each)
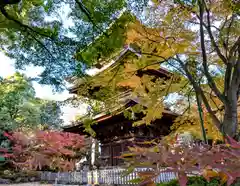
(32, 184)
(26, 184)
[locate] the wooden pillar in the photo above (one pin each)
(93, 151)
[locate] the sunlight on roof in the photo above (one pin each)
(95, 71)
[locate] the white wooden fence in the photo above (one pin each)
(78, 177)
(103, 176)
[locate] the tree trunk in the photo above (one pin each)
(230, 121)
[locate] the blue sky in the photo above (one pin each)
(44, 92)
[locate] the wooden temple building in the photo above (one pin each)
(114, 131)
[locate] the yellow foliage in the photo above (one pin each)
(130, 68)
(191, 123)
(208, 174)
(223, 177)
(132, 82)
(154, 113)
(147, 176)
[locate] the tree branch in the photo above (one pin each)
(155, 55)
(236, 74)
(199, 90)
(4, 12)
(89, 16)
(213, 26)
(204, 57)
(234, 48)
(189, 103)
(227, 78)
(228, 32)
(222, 107)
(169, 86)
(211, 97)
(165, 60)
(115, 74)
(25, 27)
(208, 28)
(41, 44)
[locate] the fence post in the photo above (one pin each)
(95, 177)
(89, 175)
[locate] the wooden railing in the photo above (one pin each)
(110, 176)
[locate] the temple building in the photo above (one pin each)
(113, 130)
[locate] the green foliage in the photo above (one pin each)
(104, 11)
(2, 159)
(87, 123)
(14, 175)
(196, 181)
(190, 122)
(16, 95)
(35, 32)
(50, 113)
(20, 109)
(108, 44)
(27, 37)
(193, 181)
(135, 181)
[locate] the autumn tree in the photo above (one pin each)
(217, 161)
(200, 41)
(45, 150)
(20, 110)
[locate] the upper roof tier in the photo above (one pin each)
(96, 77)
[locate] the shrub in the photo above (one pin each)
(46, 150)
(197, 181)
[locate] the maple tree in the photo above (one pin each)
(190, 121)
(21, 111)
(45, 150)
(168, 34)
(208, 56)
(197, 40)
(187, 159)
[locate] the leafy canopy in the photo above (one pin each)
(20, 109)
(200, 41)
(36, 32)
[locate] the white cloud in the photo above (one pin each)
(46, 92)
(71, 113)
(32, 71)
(6, 66)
